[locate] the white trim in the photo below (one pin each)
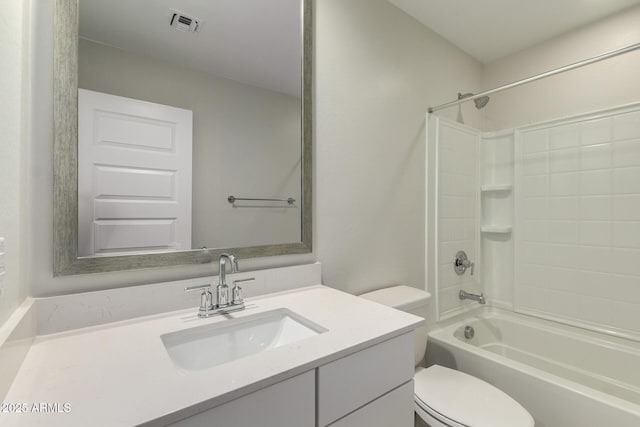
(426, 203)
(498, 133)
(517, 223)
(436, 216)
(477, 134)
(581, 324)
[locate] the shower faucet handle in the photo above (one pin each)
(462, 262)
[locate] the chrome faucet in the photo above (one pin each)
(222, 290)
(474, 297)
(222, 305)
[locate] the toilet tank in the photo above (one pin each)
(410, 300)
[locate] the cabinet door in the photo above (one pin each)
(393, 409)
(290, 403)
(355, 380)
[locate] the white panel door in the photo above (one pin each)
(134, 175)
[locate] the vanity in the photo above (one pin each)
(312, 356)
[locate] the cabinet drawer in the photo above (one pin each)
(393, 409)
(353, 381)
(287, 403)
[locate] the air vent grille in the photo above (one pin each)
(183, 22)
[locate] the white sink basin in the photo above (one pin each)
(206, 346)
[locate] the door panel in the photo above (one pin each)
(134, 183)
(112, 181)
(131, 235)
(135, 132)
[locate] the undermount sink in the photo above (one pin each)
(207, 346)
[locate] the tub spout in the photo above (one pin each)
(466, 295)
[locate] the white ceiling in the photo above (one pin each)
(251, 41)
(491, 29)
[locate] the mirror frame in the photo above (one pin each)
(65, 196)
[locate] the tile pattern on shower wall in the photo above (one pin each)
(579, 221)
(458, 149)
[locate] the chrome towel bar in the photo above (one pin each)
(233, 199)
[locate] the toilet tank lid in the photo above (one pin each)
(401, 297)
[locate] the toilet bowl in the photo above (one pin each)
(445, 397)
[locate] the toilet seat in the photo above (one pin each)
(434, 419)
(456, 399)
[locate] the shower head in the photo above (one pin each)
(480, 102)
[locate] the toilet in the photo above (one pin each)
(445, 397)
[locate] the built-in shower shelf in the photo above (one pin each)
(496, 229)
(496, 187)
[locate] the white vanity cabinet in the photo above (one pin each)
(356, 371)
(288, 403)
(352, 391)
(393, 409)
(370, 388)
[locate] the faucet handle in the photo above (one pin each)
(461, 262)
(206, 299)
(197, 288)
(237, 290)
(472, 265)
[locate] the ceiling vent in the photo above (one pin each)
(183, 22)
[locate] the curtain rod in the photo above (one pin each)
(566, 68)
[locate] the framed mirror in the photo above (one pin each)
(181, 132)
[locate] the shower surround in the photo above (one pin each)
(577, 216)
(550, 213)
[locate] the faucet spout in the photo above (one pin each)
(222, 290)
(474, 297)
(223, 266)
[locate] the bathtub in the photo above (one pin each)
(564, 376)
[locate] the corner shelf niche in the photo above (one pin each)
(496, 208)
(496, 229)
(496, 194)
(489, 188)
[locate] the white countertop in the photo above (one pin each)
(120, 374)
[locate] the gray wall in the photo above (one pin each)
(246, 142)
(377, 70)
(602, 85)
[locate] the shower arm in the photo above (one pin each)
(550, 73)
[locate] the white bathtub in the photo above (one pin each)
(564, 376)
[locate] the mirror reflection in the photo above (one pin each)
(180, 106)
